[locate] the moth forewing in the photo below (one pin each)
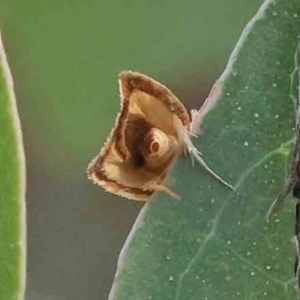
(151, 130)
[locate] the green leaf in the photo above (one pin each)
(216, 244)
(12, 191)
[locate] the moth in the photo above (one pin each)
(152, 129)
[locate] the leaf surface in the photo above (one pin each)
(12, 191)
(216, 244)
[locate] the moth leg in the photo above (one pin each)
(162, 188)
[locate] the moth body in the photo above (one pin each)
(151, 130)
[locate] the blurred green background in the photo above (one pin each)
(65, 57)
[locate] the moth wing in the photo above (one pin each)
(152, 101)
(142, 98)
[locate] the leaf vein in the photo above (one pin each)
(212, 233)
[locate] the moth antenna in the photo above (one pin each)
(195, 153)
(193, 157)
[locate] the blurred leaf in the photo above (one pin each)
(216, 244)
(55, 110)
(12, 191)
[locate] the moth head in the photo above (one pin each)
(159, 148)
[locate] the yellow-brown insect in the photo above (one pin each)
(151, 130)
